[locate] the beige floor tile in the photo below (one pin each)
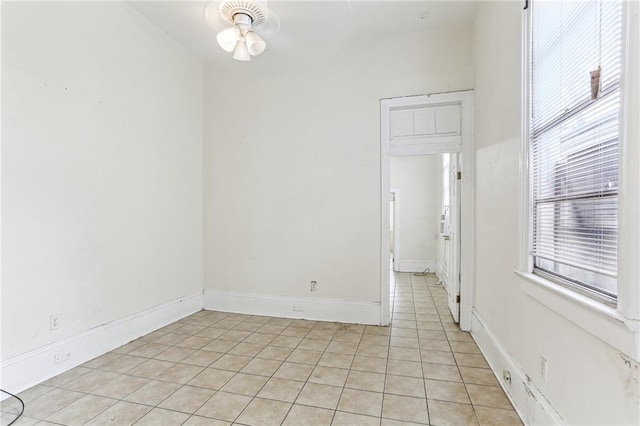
(224, 406)
(488, 396)
(304, 356)
(47, 404)
(171, 339)
(446, 391)
(361, 402)
(372, 339)
(180, 373)
(247, 326)
(390, 422)
(470, 360)
(465, 347)
(261, 367)
(205, 421)
(149, 350)
(120, 387)
(174, 354)
(235, 335)
(347, 337)
(82, 410)
(478, 376)
(264, 412)
(376, 351)
(187, 399)
(231, 362)
(322, 396)
(90, 381)
(441, 372)
(403, 324)
(212, 378)
(67, 376)
(346, 348)
(202, 358)
(497, 416)
(7, 418)
(122, 364)
(150, 369)
(219, 345)
(294, 371)
(152, 393)
(302, 415)
(364, 380)
(407, 386)
(245, 384)
(260, 339)
(377, 330)
(286, 342)
(437, 357)
(432, 335)
(405, 354)
(275, 353)
(314, 344)
(351, 419)
(161, 417)
(369, 364)
(404, 368)
(336, 360)
(281, 389)
(33, 393)
(329, 376)
(405, 408)
(247, 349)
(101, 360)
(292, 331)
(122, 413)
(404, 342)
(451, 414)
(404, 332)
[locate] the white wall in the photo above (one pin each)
(419, 181)
(292, 163)
(101, 169)
(589, 381)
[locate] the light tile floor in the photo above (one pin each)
(215, 368)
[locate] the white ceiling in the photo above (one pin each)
(306, 26)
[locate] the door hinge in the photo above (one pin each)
(459, 175)
(458, 299)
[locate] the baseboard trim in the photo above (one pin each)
(280, 306)
(33, 367)
(529, 402)
(416, 265)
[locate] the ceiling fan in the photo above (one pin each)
(244, 16)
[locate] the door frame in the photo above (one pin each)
(465, 100)
(396, 228)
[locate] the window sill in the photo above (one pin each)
(597, 318)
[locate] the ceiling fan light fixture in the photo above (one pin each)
(241, 52)
(228, 38)
(255, 43)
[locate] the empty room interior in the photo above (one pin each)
(320, 212)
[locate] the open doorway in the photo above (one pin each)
(439, 125)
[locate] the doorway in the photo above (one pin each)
(438, 124)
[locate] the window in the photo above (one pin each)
(575, 119)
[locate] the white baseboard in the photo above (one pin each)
(416, 265)
(531, 405)
(33, 367)
(281, 306)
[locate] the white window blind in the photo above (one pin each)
(574, 141)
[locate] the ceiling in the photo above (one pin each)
(296, 28)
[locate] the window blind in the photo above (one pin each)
(574, 141)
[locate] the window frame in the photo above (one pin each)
(615, 322)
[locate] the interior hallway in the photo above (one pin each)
(215, 368)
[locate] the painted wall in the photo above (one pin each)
(589, 381)
(101, 169)
(292, 162)
(419, 181)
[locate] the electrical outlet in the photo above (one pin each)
(297, 308)
(544, 370)
(61, 357)
(314, 285)
(506, 375)
(54, 322)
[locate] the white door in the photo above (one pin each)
(453, 282)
